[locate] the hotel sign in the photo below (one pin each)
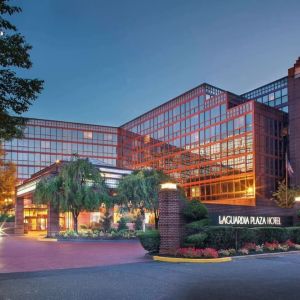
(251, 221)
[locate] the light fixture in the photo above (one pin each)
(250, 190)
(297, 199)
(168, 186)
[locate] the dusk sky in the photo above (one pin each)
(106, 62)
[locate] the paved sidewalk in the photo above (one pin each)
(24, 254)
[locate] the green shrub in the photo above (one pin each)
(294, 234)
(197, 240)
(220, 237)
(7, 218)
(150, 240)
(138, 222)
(195, 211)
(122, 224)
(196, 226)
(105, 221)
(270, 234)
(245, 235)
(223, 237)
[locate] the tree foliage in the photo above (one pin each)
(16, 93)
(141, 189)
(285, 196)
(7, 183)
(78, 187)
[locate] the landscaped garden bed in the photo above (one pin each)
(246, 249)
(94, 235)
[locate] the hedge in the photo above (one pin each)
(270, 234)
(223, 237)
(150, 240)
(294, 234)
(197, 240)
(196, 226)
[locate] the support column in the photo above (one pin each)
(171, 222)
(19, 216)
(52, 221)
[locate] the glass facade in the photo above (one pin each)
(203, 140)
(222, 148)
(46, 141)
(274, 94)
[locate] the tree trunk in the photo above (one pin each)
(156, 218)
(75, 221)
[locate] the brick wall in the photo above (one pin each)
(294, 120)
(171, 223)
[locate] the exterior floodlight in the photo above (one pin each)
(168, 186)
(297, 199)
(250, 190)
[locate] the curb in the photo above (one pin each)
(266, 254)
(44, 239)
(191, 260)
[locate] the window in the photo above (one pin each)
(88, 135)
(45, 145)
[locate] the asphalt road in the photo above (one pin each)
(276, 277)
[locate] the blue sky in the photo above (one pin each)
(106, 62)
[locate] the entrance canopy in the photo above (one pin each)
(43, 217)
(112, 175)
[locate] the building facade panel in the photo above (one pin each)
(222, 148)
(47, 141)
(294, 120)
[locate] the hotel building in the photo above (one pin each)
(226, 150)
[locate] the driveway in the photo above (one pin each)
(24, 254)
(275, 278)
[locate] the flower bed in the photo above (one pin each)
(247, 249)
(97, 235)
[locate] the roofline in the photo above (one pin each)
(169, 101)
(241, 95)
(49, 168)
(69, 122)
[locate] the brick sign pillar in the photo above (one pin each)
(19, 217)
(171, 223)
(52, 221)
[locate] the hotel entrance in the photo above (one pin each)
(35, 218)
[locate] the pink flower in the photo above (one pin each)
(210, 253)
(250, 246)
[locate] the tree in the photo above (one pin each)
(141, 189)
(78, 187)
(106, 220)
(16, 93)
(7, 183)
(285, 196)
(49, 190)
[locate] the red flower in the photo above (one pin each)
(250, 246)
(289, 243)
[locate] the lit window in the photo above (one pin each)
(87, 135)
